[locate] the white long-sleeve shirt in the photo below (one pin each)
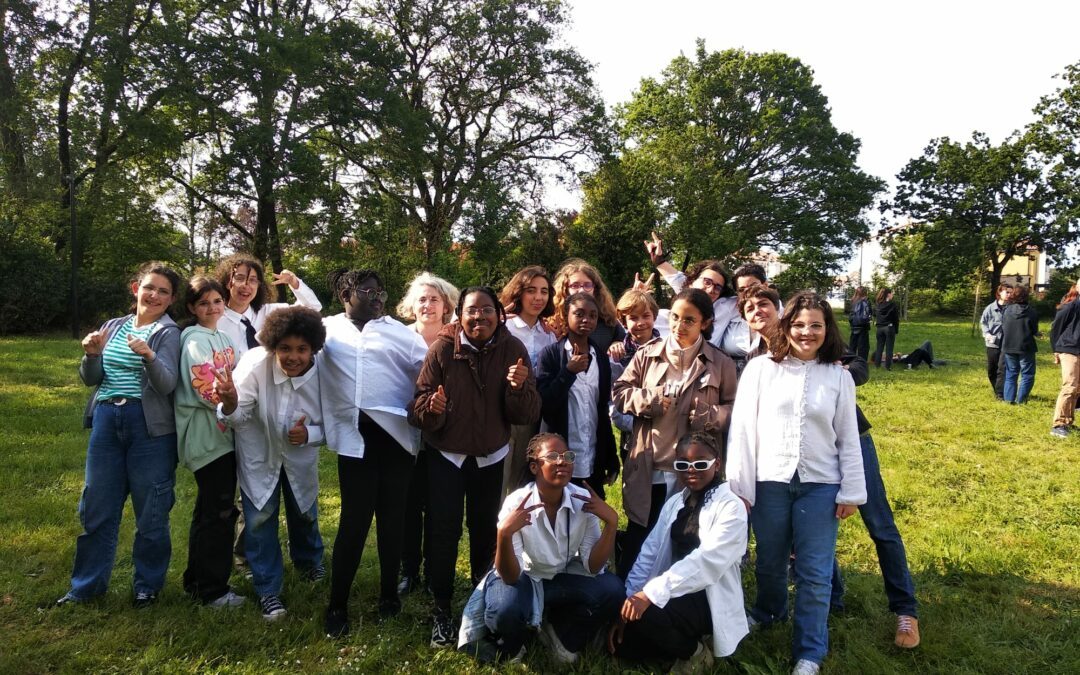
(373, 370)
(534, 337)
(795, 416)
(269, 404)
(234, 328)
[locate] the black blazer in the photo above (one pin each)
(554, 382)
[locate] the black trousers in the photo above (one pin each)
(669, 633)
(374, 485)
(860, 340)
(995, 370)
(210, 539)
(635, 534)
(453, 492)
(886, 340)
(414, 551)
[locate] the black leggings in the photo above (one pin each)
(374, 485)
(886, 340)
(669, 633)
(210, 540)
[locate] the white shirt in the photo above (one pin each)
(270, 403)
(457, 458)
(535, 338)
(724, 309)
(795, 416)
(581, 418)
(232, 326)
(373, 370)
(543, 550)
(713, 566)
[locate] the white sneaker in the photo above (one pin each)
(700, 662)
(559, 652)
(228, 600)
(806, 667)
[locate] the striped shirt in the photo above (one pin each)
(123, 367)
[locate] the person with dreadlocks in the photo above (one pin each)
(685, 583)
(370, 362)
(476, 381)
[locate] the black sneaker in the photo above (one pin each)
(143, 599)
(272, 607)
(389, 608)
(336, 622)
(317, 573)
(443, 633)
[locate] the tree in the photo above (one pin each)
(1056, 133)
(742, 153)
(983, 203)
(487, 99)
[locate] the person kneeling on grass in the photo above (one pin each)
(549, 564)
(272, 402)
(685, 583)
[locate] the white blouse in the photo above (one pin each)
(373, 370)
(724, 310)
(581, 415)
(795, 416)
(270, 403)
(535, 337)
(232, 326)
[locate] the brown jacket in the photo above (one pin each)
(704, 404)
(481, 404)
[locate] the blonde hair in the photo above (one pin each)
(636, 301)
(447, 290)
(604, 302)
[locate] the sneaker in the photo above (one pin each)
(67, 599)
(700, 662)
(315, 574)
(143, 599)
(806, 667)
(443, 632)
(751, 622)
(408, 584)
(907, 632)
(272, 607)
(1060, 432)
(336, 622)
(226, 601)
(548, 638)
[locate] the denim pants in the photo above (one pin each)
(1022, 365)
(124, 459)
(803, 516)
(892, 558)
(261, 544)
(576, 606)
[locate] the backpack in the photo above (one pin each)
(860, 314)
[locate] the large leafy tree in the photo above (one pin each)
(487, 101)
(981, 203)
(742, 153)
(1056, 133)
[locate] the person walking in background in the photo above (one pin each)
(888, 325)
(859, 319)
(1065, 343)
(991, 330)
(1019, 328)
(132, 363)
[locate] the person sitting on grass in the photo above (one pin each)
(685, 583)
(272, 401)
(549, 564)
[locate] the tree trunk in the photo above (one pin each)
(11, 141)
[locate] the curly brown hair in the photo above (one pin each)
(229, 265)
(604, 302)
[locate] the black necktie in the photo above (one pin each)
(249, 333)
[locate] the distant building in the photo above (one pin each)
(1028, 269)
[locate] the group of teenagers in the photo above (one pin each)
(737, 414)
(1009, 327)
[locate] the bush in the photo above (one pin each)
(925, 301)
(958, 300)
(35, 289)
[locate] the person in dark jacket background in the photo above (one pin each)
(1065, 343)
(1019, 328)
(888, 325)
(990, 322)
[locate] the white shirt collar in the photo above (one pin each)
(280, 376)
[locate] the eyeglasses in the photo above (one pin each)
(473, 312)
(687, 322)
(371, 293)
(709, 283)
(556, 457)
(682, 465)
(242, 279)
(586, 287)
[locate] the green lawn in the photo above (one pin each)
(987, 501)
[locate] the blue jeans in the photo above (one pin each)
(803, 515)
(261, 544)
(124, 459)
(892, 558)
(1024, 365)
(576, 605)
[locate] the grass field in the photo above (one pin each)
(987, 501)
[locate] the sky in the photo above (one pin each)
(896, 74)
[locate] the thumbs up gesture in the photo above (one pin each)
(298, 433)
(517, 374)
(437, 402)
(578, 361)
